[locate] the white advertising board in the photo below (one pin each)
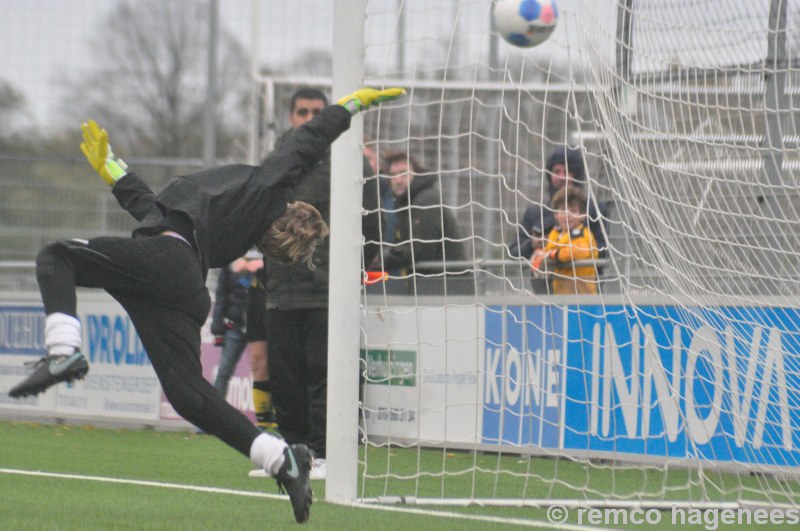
(121, 384)
(422, 373)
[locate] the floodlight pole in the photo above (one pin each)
(344, 315)
(253, 152)
(209, 116)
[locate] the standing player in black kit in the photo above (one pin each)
(203, 220)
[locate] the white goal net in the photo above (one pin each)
(675, 377)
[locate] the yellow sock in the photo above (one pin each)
(262, 402)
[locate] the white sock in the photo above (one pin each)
(62, 334)
(266, 452)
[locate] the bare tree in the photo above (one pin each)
(309, 62)
(149, 85)
(12, 104)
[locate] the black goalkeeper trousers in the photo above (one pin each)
(159, 282)
(298, 373)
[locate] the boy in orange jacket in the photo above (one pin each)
(568, 242)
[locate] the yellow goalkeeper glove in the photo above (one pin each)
(363, 98)
(97, 151)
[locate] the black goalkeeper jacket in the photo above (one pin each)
(224, 211)
(295, 286)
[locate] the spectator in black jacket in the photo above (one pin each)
(297, 303)
(426, 230)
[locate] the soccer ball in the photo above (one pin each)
(525, 23)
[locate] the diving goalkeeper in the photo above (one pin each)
(202, 220)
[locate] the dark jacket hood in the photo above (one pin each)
(572, 158)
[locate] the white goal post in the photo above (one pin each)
(677, 383)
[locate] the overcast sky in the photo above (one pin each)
(41, 40)
(44, 41)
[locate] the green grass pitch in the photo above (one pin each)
(65, 477)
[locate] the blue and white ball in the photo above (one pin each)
(525, 23)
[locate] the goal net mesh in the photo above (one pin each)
(677, 381)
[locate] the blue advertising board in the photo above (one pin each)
(715, 383)
(22, 330)
(523, 376)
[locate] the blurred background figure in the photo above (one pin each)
(229, 316)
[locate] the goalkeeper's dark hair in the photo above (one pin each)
(307, 93)
(294, 236)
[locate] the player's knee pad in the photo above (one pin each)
(52, 257)
(46, 260)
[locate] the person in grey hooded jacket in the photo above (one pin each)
(564, 166)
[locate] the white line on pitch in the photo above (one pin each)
(143, 483)
(541, 524)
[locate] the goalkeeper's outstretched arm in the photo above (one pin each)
(98, 152)
(362, 98)
(131, 193)
(308, 144)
